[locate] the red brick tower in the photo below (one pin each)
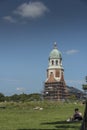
(55, 86)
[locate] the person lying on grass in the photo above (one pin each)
(77, 116)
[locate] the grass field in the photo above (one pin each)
(22, 116)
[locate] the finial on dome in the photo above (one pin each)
(55, 45)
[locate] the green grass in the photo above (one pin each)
(22, 116)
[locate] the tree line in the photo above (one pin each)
(21, 97)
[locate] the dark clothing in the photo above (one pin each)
(77, 116)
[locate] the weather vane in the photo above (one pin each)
(55, 45)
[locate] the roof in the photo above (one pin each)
(55, 53)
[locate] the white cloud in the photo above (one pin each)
(9, 19)
(69, 52)
(31, 10)
(20, 89)
(27, 10)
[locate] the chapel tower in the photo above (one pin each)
(55, 86)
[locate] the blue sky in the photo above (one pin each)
(28, 29)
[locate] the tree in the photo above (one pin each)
(2, 97)
(84, 123)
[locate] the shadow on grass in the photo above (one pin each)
(63, 125)
(60, 125)
(36, 129)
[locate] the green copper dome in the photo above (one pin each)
(55, 53)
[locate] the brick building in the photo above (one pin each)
(55, 86)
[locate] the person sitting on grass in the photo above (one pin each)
(77, 116)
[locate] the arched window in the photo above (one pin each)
(52, 62)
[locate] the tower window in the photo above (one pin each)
(52, 62)
(51, 73)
